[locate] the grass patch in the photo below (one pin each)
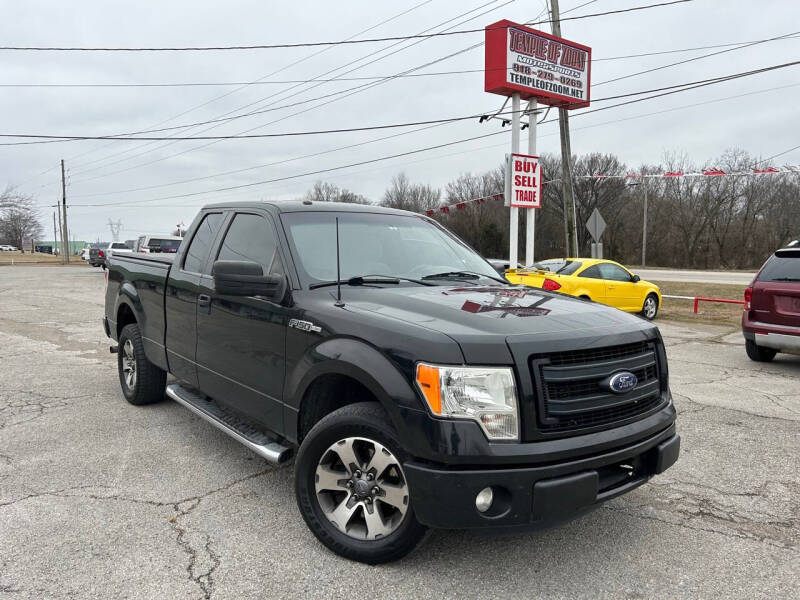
(18, 258)
(682, 310)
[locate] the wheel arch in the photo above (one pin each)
(339, 372)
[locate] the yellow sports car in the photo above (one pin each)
(595, 279)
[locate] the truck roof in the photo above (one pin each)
(286, 206)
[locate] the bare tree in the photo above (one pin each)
(19, 218)
(322, 191)
(415, 197)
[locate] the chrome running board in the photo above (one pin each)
(243, 432)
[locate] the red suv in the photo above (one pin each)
(771, 318)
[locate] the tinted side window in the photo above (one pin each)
(592, 272)
(251, 238)
(197, 252)
(780, 268)
(614, 273)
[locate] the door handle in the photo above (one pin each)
(203, 300)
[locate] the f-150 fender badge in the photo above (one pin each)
(304, 325)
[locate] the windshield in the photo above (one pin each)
(376, 244)
(559, 265)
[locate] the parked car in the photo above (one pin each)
(419, 388)
(97, 254)
(167, 244)
(5, 248)
(771, 317)
(117, 248)
(596, 279)
(85, 252)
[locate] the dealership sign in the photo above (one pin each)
(526, 181)
(534, 64)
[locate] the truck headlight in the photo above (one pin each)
(484, 394)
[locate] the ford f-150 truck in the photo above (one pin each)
(418, 388)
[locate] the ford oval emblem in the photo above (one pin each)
(622, 382)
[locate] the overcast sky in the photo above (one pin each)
(764, 123)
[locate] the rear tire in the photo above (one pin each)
(357, 429)
(650, 307)
(142, 382)
(759, 353)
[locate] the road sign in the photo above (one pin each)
(526, 181)
(596, 225)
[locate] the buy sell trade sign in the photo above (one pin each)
(534, 64)
(526, 181)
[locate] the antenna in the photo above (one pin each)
(338, 270)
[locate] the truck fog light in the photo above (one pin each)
(483, 501)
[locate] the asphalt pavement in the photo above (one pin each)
(101, 499)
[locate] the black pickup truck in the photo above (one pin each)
(419, 388)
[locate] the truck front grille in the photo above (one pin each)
(571, 391)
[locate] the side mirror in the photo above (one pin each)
(636, 279)
(246, 278)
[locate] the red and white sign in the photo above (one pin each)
(526, 181)
(537, 65)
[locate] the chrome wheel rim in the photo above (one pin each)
(361, 488)
(129, 364)
(650, 308)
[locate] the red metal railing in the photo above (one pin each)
(715, 300)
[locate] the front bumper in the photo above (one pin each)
(536, 496)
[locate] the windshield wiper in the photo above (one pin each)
(462, 275)
(367, 279)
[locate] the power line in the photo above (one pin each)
(341, 94)
(688, 60)
(357, 89)
(132, 204)
(383, 158)
(310, 44)
(237, 171)
(121, 137)
(270, 74)
(363, 78)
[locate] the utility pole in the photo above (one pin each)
(55, 239)
(64, 230)
(566, 157)
(644, 228)
(60, 239)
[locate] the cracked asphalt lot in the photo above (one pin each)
(100, 499)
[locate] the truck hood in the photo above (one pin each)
(471, 314)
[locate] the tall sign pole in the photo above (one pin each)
(530, 213)
(514, 224)
(534, 66)
(64, 230)
(566, 157)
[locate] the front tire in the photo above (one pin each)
(759, 353)
(142, 382)
(351, 489)
(650, 307)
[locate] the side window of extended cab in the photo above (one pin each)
(197, 252)
(252, 238)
